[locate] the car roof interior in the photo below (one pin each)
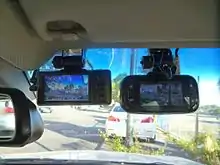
(29, 30)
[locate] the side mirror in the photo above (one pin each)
(20, 121)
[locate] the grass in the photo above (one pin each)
(204, 148)
(118, 144)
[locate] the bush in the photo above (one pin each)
(205, 148)
(118, 144)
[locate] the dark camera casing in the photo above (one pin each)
(130, 94)
(99, 87)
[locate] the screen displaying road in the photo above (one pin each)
(163, 94)
(66, 88)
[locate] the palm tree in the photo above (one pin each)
(177, 64)
(177, 61)
(116, 86)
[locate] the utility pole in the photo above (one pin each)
(197, 117)
(129, 122)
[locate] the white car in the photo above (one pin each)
(143, 126)
(43, 109)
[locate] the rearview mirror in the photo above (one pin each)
(144, 94)
(20, 121)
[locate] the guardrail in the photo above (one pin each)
(184, 126)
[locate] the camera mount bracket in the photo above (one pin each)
(71, 64)
(161, 62)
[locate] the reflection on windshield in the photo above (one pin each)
(78, 127)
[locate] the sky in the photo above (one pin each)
(197, 62)
(202, 62)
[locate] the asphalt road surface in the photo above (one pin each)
(71, 129)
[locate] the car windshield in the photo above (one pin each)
(83, 127)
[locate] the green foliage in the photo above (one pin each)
(120, 77)
(116, 86)
(204, 148)
(115, 91)
(210, 109)
(118, 144)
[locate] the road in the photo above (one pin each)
(71, 129)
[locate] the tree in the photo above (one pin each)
(210, 109)
(116, 86)
(177, 64)
(119, 77)
(115, 91)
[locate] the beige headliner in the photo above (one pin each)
(109, 23)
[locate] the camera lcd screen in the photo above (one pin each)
(163, 94)
(63, 88)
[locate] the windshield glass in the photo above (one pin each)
(82, 127)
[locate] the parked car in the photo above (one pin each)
(143, 126)
(7, 119)
(43, 109)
